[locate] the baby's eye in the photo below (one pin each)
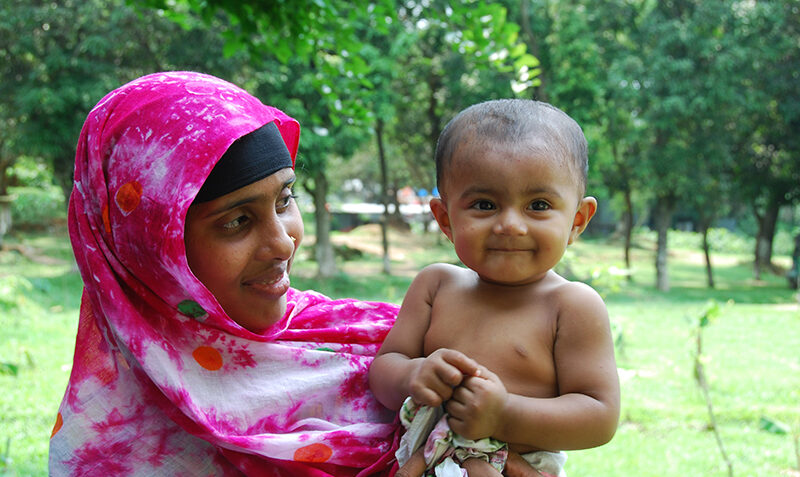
(483, 205)
(235, 224)
(540, 205)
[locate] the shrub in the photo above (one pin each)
(37, 206)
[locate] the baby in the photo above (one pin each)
(521, 358)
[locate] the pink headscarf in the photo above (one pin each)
(163, 381)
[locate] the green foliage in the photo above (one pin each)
(37, 206)
(722, 241)
(59, 59)
(773, 426)
(5, 456)
(27, 171)
(12, 292)
(9, 369)
(709, 314)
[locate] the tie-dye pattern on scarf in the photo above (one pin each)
(163, 382)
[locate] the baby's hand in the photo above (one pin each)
(433, 381)
(477, 406)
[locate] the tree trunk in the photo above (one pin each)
(63, 173)
(707, 253)
(5, 200)
(323, 250)
(387, 266)
(5, 165)
(663, 219)
(627, 219)
(533, 44)
(767, 221)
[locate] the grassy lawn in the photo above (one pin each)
(751, 351)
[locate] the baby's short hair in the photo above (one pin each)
(515, 121)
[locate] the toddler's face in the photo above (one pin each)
(510, 212)
(241, 246)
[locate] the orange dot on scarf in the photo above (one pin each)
(128, 196)
(59, 423)
(313, 453)
(106, 220)
(207, 357)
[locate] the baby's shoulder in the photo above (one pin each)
(444, 271)
(577, 297)
(438, 277)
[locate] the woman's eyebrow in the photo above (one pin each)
(233, 205)
(247, 199)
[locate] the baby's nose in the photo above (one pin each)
(511, 223)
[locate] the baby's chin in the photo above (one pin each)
(510, 281)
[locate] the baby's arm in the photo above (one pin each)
(401, 369)
(585, 412)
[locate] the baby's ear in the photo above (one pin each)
(439, 210)
(586, 210)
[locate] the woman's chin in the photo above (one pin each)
(259, 315)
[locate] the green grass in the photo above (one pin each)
(39, 299)
(751, 351)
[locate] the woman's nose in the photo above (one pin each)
(274, 241)
(510, 222)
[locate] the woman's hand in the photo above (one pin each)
(516, 466)
(432, 382)
(477, 407)
(415, 466)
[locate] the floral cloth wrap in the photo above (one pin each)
(163, 381)
(444, 450)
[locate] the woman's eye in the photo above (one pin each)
(235, 224)
(539, 205)
(483, 205)
(284, 201)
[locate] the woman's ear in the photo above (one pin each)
(439, 210)
(586, 210)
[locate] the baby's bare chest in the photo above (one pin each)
(512, 337)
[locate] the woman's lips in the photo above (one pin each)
(273, 284)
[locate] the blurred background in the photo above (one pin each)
(691, 110)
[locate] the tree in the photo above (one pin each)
(589, 67)
(328, 35)
(686, 85)
(60, 58)
(617, 138)
(766, 168)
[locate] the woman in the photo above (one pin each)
(193, 355)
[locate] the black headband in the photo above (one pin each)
(250, 158)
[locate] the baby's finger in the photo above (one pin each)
(483, 372)
(462, 362)
(433, 395)
(449, 375)
(456, 410)
(458, 425)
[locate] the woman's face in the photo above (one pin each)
(241, 247)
